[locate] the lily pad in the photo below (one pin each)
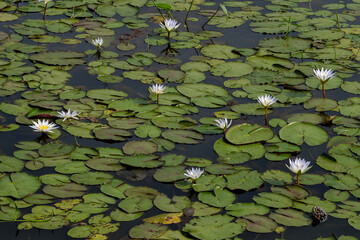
(140, 147)
(291, 217)
(298, 133)
(219, 198)
(214, 227)
(244, 209)
(18, 185)
(61, 58)
(175, 204)
(248, 133)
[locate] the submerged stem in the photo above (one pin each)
(211, 17)
(298, 180)
(158, 10)
(266, 111)
(187, 14)
(323, 90)
(157, 98)
(45, 11)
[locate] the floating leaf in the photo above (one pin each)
(135, 204)
(219, 51)
(291, 217)
(18, 185)
(248, 133)
(273, 200)
(175, 204)
(61, 58)
(259, 224)
(66, 191)
(298, 133)
(244, 209)
(92, 178)
(182, 136)
(55, 149)
(147, 230)
(140, 147)
(244, 180)
(144, 161)
(170, 174)
(214, 227)
(220, 197)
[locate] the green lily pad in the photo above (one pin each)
(244, 180)
(104, 164)
(273, 200)
(92, 178)
(147, 231)
(106, 94)
(321, 104)
(39, 199)
(18, 185)
(201, 209)
(183, 136)
(72, 167)
(214, 227)
(291, 217)
(54, 179)
(67, 190)
(135, 204)
(80, 231)
(354, 222)
(336, 195)
(175, 204)
(219, 198)
(248, 133)
(259, 224)
(256, 150)
(10, 164)
(276, 177)
(286, 44)
(209, 183)
(143, 161)
(319, 34)
(231, 69)
(170, 174)
(219, 51)
(311, 179)
(61, 58)
(200, 89)
(121, 216)
(113, 134)
(341, 181)
(292, 191)
(55, 149)
(54, 222)
(298, 133)
(140, 147)
(28, 145)
(244, 209)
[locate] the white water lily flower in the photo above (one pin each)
(324, 75)
(68, 114)
(266, 100)
(169, 25)
(298, 166)
(43, 126)
(194, 173)
(45, 1)
(98, 42)
(223, 123)
(157, 89)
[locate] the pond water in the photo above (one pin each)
(116, 170)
